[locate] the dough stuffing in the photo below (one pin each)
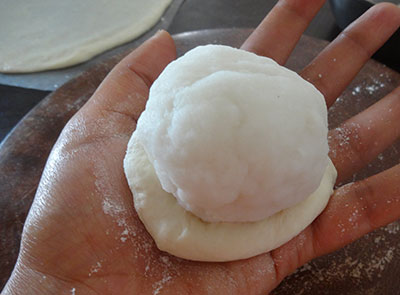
(230, 157)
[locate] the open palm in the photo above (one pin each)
(83, 236)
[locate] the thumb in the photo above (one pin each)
(125, 89)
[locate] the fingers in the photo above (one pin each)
(334, 68)
(125, 89)
(293, 254)
(279, 32)
(359, 140)
(356, 209)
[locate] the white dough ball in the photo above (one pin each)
(235, 137)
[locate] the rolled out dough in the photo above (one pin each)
(49, 34)
(182, 234)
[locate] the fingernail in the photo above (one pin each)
(158, 33)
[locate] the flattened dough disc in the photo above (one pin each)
(182, 234)
(48, 34)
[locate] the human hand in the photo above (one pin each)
(83, 236)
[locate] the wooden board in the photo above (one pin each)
(369, 266)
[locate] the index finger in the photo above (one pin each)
(281, 29)
(125, 89)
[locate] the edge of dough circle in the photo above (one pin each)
(184, 235)
(46, 35)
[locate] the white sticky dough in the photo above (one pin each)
(233, 136)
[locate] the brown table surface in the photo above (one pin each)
(369, 266)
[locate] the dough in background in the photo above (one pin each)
(50, 34)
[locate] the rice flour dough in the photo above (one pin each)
(230, 157)
(181, 233)
(49, 34)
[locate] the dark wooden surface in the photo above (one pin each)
(369, 266)
(15, 102)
